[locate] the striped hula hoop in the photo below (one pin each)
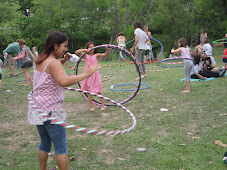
(115, 65)
(173, 58)
(147, 61)
(157, 70)
(117, 48)
(83, 129)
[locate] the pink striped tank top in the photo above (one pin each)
(48, 96)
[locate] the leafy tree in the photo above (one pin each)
(171, 20)
(211, 15)
(47, 15)
(9, 20)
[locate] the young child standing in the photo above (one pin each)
(92, 83)
(188, 64)
(1, 65)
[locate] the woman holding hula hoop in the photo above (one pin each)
(188, 64)
(139, 47)
(49, 78)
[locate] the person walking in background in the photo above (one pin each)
(93, 83)
(49, 74)
(203, 36)
(26, 55)
(8, 54)
(121, 40)
(188, 64)
(139, 47)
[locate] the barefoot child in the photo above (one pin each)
(188, 64)
(92, 83)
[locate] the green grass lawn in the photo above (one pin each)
(181, 138)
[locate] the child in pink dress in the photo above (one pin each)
(92, 83)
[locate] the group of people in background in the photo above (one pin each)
(23, 55)
(142, 46)
(49, 74)
(203, 65)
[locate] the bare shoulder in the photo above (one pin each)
(52, 65)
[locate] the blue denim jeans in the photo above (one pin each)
(122, 53)
(51, 133)
(18, 63)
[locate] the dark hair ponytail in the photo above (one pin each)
(55, 37)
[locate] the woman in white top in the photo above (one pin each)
(121, 39)
(139, 47)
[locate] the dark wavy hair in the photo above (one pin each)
(89, 43)
(55, 37)
(196, 59)
(138, 25)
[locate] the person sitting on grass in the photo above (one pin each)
(203, 68)
(198, 49)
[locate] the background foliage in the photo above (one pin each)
(101, 21)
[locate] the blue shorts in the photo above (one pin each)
(225, 60)
(51, 133)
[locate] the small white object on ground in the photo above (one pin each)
(163, 110)
(8, 90)
(141, 149)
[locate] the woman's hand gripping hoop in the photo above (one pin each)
(83, 129)
(117, 48)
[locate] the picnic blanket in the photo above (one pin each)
(208, 79)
